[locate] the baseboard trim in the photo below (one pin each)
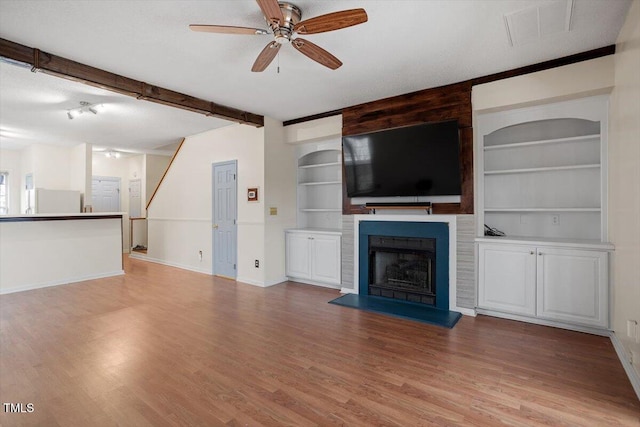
(544, 322)
(466, 311)
(275, 282)
(314, 283)
(347, 291)
(634, 378)
(171, 264)
(251, 282)
(61, 282)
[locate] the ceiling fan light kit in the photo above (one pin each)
(284, 21)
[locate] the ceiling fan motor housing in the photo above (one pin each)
(292, 15)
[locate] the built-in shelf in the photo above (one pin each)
(542, 209)
(541, 171)
(541, 142)
(547, 241)
(320, 165)
(319, 185)
(545, 169)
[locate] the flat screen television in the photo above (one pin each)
(420, 160)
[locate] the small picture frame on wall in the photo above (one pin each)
(252, 194)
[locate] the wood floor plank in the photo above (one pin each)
(167, 347)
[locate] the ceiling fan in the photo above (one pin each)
(285, 24)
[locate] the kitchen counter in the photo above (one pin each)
(43, 250)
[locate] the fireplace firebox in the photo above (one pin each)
(403, 268)
(404, 260)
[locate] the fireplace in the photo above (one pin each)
(403, 268)
(404, 260)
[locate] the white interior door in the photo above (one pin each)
(135, 198)
(105, 194)
(224, 219)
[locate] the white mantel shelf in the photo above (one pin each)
(450, 220)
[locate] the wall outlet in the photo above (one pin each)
(555, 219)
(200, 255)
(257, 264)
(273, 211)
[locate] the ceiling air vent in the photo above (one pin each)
(531, 24)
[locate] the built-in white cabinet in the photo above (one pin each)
(541, 181)
(313, 257)
(313, 249)
(572, 286)
(563, 284)
(507, 278)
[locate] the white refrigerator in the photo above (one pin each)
(43, 201)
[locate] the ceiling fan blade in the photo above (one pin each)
(271, 11)
(266, 56)
(331, 21)
(316, 53)
(225, 29)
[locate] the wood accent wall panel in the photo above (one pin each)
(452, 102)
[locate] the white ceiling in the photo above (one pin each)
(405, 46)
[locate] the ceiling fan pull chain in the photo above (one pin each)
(278, 62)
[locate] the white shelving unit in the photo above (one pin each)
(320, 186)
(313, 249)
(541, 179)
(541, 170)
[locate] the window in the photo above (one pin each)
(4, 193)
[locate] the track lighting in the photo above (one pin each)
(84, 107)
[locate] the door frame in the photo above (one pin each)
(213, 199)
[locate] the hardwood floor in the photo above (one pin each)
(162, 346)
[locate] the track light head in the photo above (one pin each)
(84, 106)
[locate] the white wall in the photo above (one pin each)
(11, 162)
(313, 130)
(80, 171)
(577, 80)
(180, 214)
(51, 166)
(624, 181)
(155, 167)
(280, 193)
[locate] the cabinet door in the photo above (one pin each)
(572, 286)
(325, 258)
(298, 263)
(507, 275)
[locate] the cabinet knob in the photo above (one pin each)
(531, 252)
(539, 253)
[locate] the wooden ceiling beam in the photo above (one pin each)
(72, 70)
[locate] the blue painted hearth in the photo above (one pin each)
(437, 231)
